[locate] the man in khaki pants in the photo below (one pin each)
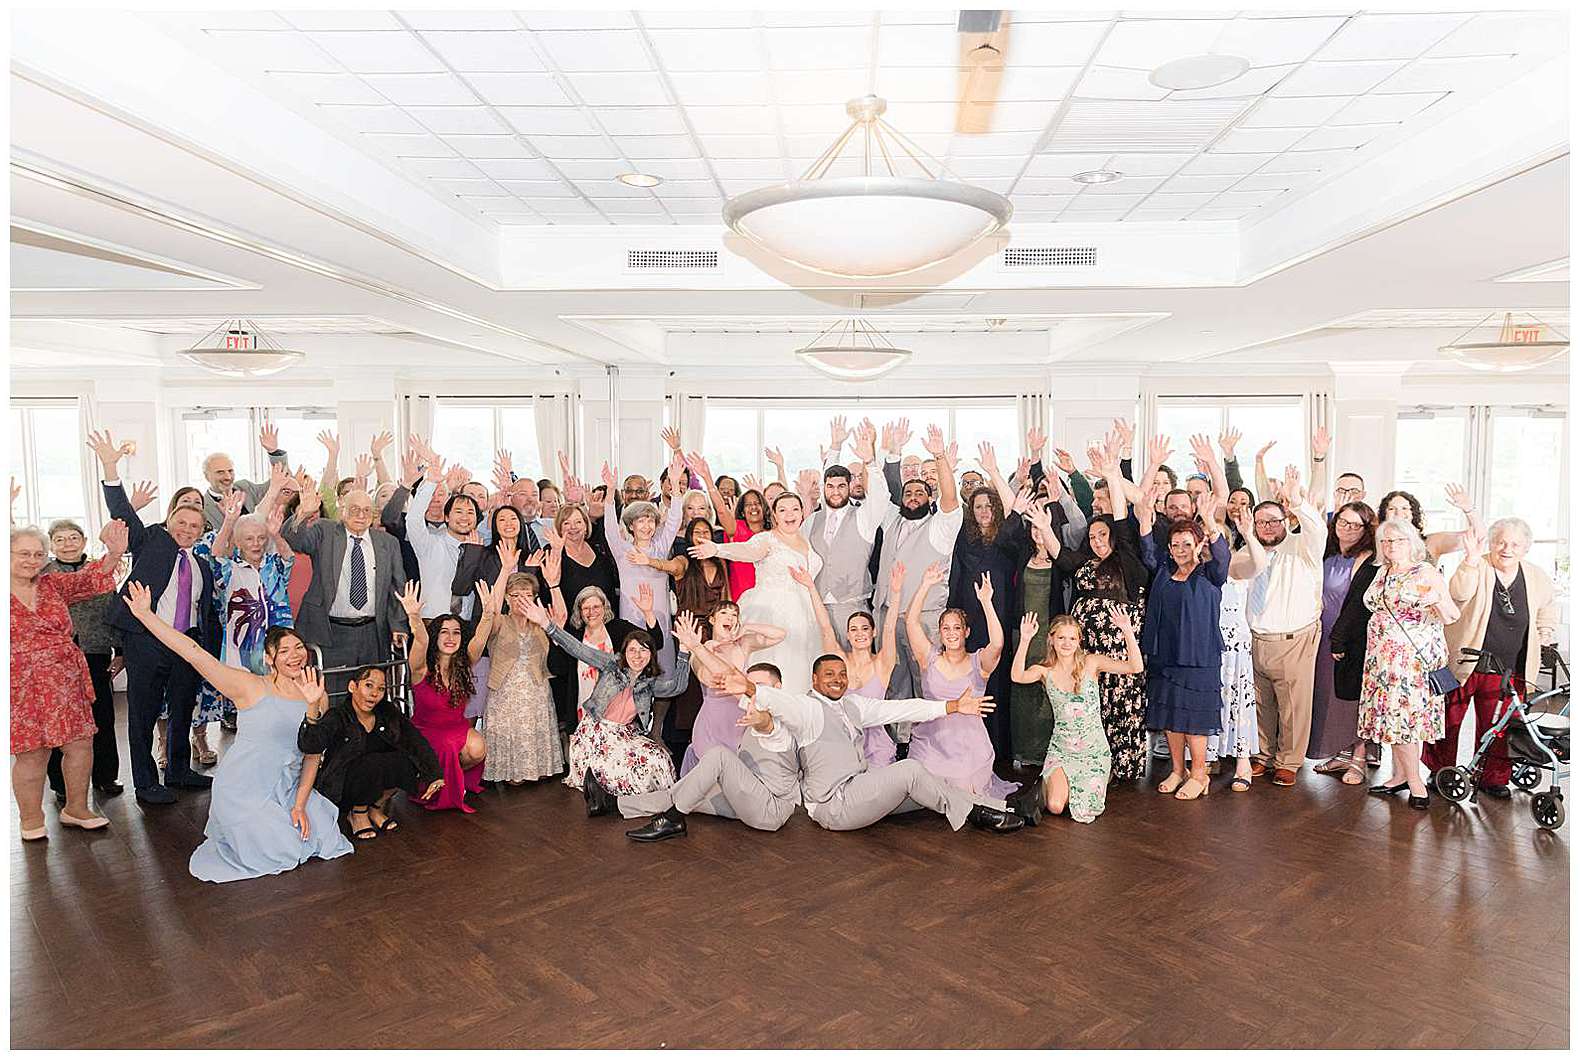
(1284, 609)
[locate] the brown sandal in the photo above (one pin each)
(1200, 793)
(1170, 784)
(1354, 776)
(1335, 765)
(1240, 784)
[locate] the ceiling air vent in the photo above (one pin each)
(1048, 257)
(667, 260)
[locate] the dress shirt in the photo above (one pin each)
(438, 552)
(166, 608)
(1286, 596)
(342, 606)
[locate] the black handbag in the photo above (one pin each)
(1441, 681)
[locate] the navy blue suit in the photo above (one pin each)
(155, 675)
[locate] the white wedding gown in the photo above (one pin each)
(779, 600)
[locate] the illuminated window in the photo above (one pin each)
(470, 432)
(47, 462)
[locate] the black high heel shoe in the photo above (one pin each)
(1421, 802)
(1386, 789)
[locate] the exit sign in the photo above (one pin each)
(239, 340)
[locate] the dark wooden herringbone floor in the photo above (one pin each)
(1281, 918)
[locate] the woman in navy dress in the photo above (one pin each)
(1183, 644)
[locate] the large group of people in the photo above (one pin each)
(882, 635)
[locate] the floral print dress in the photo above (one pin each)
(1404, 643)
(1238, 738)
(1079, 747)
(1123, 696)
(249, 600)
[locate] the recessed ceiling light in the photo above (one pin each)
(1199, 71)
(640, 180)
(1098, 176)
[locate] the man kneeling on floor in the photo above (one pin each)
(824, 730)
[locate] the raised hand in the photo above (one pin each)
(703, 550)
(644, 601)
(509, 555)
(411, 602)
(802, 576)
(535, 558)
(114, 536)
(1096, 459)
(269, 437)
(806, 482)
(551, 564)
(933, 575)
(1321, 441)
(896, 579)
(1023, 500)
(537, 614)
(752, 482)
(381, 441)
(1242, 523)
(1459, 497)
(457, 477)
(686, 632)
(671, 438)
(565, 465)
(16, 491)
(1121, 619)
(984, 590)
(902, 434)
(775, 457)
(1473, 542)
(487, 599)
(1160, 449)
(987, 458)
(143, 494)
(1036, 442)
(837, 433)
(1023, 469)
(330, 441)
(1125, 434)
(1065, 461)
(1201, 448)
(698, 465)
(106, 450)
(1226, 443)
(1029, 624)
(1294, 491)
(139, 601)
(1261, 454)
(364, 468)
(410, 467)
(608, 479)
(276, 519)
(865, 445)
(971, 703)
(233, 504)
(933, 440)
(311, 685)
(575, 492)
(502, 479)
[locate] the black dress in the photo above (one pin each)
(1002, 560)
(574, 578)
(360, 765)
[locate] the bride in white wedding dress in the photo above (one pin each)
(777, 599)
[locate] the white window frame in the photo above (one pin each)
(496, 406)
(30, 492)
(252, 465)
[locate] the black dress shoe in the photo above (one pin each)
(1497, 791)
(599, 801)
(60, 798)
(158, 795)
(110, 790)
(1386, 789)
(991, 820)
(669, 825)
(191, 779)
(1420, 802)
(1027, 802)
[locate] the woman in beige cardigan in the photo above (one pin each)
(1507, 608)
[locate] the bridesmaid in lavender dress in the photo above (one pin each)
(956, 747)
(1351, 541)
(868, 670)
(732, 644)
(635, 537)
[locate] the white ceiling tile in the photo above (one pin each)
(992, 143)
(1111, 82)
(611, 189)
(1025, 217)
(1046, 186)
(707, 49)
(539, 189)
(1147, 212)
(483, 201)
(928, 117)
(440, 167)
(1176, 201)
(1253, 82)
(1275, 181)
(1451, 75)
(1230, 199)
(1337, 79)
(923, 45)
(920, 18)
(589, 168)
(741, 146)
(341, 20)
(737, 187)
(987, 166)
(1001, 185)
(816, 18)
(1049, 83)
(1386, 108)
(447, 120)
(1092, 215)
(1063, 165)
(1148, 165)
(1186, 185)
(488, 146)
(288, 51)
(379, 53)
(493, 51)
(204, 20)
(378, 119)
(574, 147)
(647, 207)
(1045, 203)
(596, 50)
(549, 121)
(519, 90)
(1215, 214)
(1168, 127)
(578, 19)
(1295, 112)
(703, 20)
(571, 207)
(422, 90)
(1022, 115)
(1337, 136)
(732, 89)
(729, 119)
(1145, 45)
(642, 121)
(1129, 186)
(422, 20)
(1501, 33)
(1087, 201)
(674, 168)
(327, 88)
(767, 170)
(519, 216)
(831, 88)
(1308, 161)
(1275, 41)
(1211, 164)
(1065, 43)
(1390, 36)
(516, 168)
(620, 90)
(687, 189)
(812, 145)
(712, 218)
(475, 185)
(420, 145)
(818, 49)
(823, 119)
(657, 146)
(1258, 141)
(919, 84)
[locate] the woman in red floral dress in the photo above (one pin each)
(51, 690)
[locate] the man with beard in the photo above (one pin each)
(918, 537)
(842, 533)
(1284, 609)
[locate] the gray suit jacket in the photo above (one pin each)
(213, 517)
(325, 542)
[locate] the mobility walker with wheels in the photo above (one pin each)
(396, 675)
(1537, 740)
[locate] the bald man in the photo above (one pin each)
(353, 605)
(219, 471)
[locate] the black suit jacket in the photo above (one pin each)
(153, 564)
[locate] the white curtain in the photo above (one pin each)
(551, 417)
(1031, 409)
(688, 414)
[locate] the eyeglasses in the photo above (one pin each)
(1350, 524)
(1347, 492)
(1269, 522)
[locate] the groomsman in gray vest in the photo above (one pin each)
(757, 785)
(918, 537)
(840, 793)
(841, 533)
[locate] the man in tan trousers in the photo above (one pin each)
(1284, 610)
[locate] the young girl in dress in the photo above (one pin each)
(732, 643)
(1075, 771)
(442, 683)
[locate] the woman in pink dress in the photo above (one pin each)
(442, 683)
(956, 747)
(51, 689)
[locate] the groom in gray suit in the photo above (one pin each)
(841, 533)
(353, 604)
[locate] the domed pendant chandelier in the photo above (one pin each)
(240, 350)
(1521, 343)
(853, 350)
(900, 215)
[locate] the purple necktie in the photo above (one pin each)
(183, 614)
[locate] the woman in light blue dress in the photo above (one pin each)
(1075, 772)
(264, 816)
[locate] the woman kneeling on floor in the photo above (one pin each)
(370, 751)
